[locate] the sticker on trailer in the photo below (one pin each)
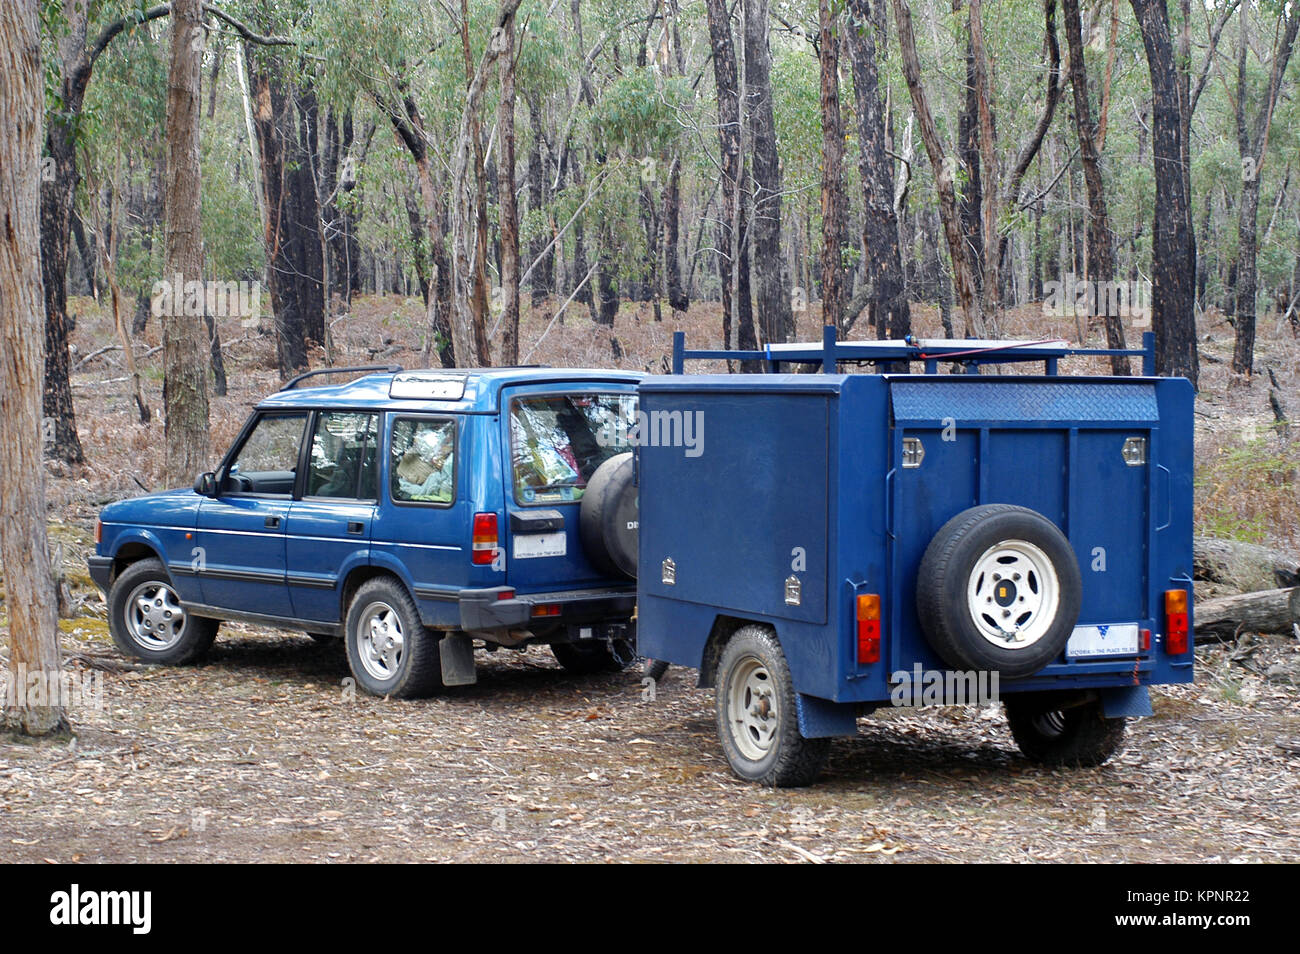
(1090, 642)
(529, 545)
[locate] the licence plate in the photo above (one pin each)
(1116, 639)
(529, 545)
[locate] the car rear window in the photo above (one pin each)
(558, 440)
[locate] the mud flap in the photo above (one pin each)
(457, 653)
(820, 718)
(1125, 702)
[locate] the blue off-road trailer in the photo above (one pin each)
(828, 544)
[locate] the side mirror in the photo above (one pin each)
(206, 485)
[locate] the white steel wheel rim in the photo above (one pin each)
(1013, 593)
(381, 645)
(752, 708)
(154, 617)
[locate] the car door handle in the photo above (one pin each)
(355, 526)
(273, 522)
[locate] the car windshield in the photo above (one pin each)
(558, 440)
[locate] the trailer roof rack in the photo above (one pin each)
(970, 353)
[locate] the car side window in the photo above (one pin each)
(267, 461)
(343, 456)
(423, 465)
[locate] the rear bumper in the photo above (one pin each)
(101, 571)
(486, 610)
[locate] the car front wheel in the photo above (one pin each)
(146, 619)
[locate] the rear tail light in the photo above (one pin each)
(546, 609)
(99, 531)
(1176, 622)
(485, 539)
(868, 628)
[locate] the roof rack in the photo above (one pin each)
(969, 352)
(387, 368)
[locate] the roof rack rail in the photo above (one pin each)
(387, 368)
(968, 352)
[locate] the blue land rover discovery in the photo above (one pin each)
(414, 514)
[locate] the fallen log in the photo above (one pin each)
(1266, 611)
(1243, 566)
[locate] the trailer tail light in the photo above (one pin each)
(868, 628)
(1176, 622)
(485, 539)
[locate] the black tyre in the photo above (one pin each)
(656, 669)
(999, 590)
(757, 720)
(147, 621)
(594, 656)
(609, 520)
(1076, 736)
(390, 652)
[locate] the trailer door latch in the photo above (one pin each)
(913, 452)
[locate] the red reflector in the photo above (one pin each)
(485, 538)
(1145, 643)
(868, 613)
(1176, 622)
(506, 595)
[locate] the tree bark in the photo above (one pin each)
(1265, 611)
(24, 547)
(1173, 265)
(1243, 566)
(962, 273)
(1252, 141)
(832, 181)
(775, 319)
(889, 309)
(468, 238)
(508, 210)
(733, 245)
(1101, 251)
(185, 342)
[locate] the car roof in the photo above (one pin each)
(447, 390)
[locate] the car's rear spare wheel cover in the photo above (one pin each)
(609, 518)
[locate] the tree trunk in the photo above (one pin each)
(508, 210)
(24, 547)
(1101, 252)
(1243, 566)
(542, 282)
(678, 298)
(1266, 611)
(1173, 265)
(775, 320)
(990, 297)
(832, 182)
(1252, 140)
(185, 343)
(889, 312)
(733, 244)
(468, 238)
(962, 272)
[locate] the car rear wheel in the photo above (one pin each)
(390, 652)
(146, 618)
(1074, 736)
(756, 714)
